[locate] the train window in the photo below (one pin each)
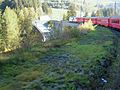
(115, 21)
(99, 20)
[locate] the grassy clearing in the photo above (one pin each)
(60, 64)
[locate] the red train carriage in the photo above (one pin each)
(103, 21)
(99, 21)
(94, 20)
(86, 19)
(76, 19)
(115, 22)
(80, 19)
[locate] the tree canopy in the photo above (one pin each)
(19, 4)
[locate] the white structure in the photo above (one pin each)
(45, 31)
(42, 27)
(45, 18)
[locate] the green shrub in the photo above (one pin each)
(87, 26)
(70, 32)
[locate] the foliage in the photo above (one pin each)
(51, 24)
(7, 3)
(64, 17)
(1, 33)
(19, 4)
(93, 14)
(70, 64)
(70, 12)
(105, 12)
(12, 39)
(16, 28)
(114, 70)
(70, 32)
(26, 16)
(87, 26)
(46, 9)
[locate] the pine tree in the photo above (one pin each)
(26, 16)
(1, 33)
(7, 3)
(36, 4)
(93, 14)
(99, 13)
(29, 3)
(45, 7)
(71, 12)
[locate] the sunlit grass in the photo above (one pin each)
(43, 62)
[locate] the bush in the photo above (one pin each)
(87, 26)
(71, 32)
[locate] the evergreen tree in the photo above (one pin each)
(7, 3)
(105, 12)
(93, 14)
(46, 9)
(86, 14)
(26, 16)
(111, 12)
(71, 12)
(19, 4)
(99, 13)
(1, 33)
(36, 4)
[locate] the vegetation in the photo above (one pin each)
(75, 63)
(79, 58)
(114, 70)
(12, 37)
(105, 12)
(19, 4)
(71, 12)
(82, 29)
(46, 9)
(16, 25)
(87, 26)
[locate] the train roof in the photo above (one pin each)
(98, 17)
(103, 17)
(115, 16)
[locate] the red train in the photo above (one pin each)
(113, 22)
